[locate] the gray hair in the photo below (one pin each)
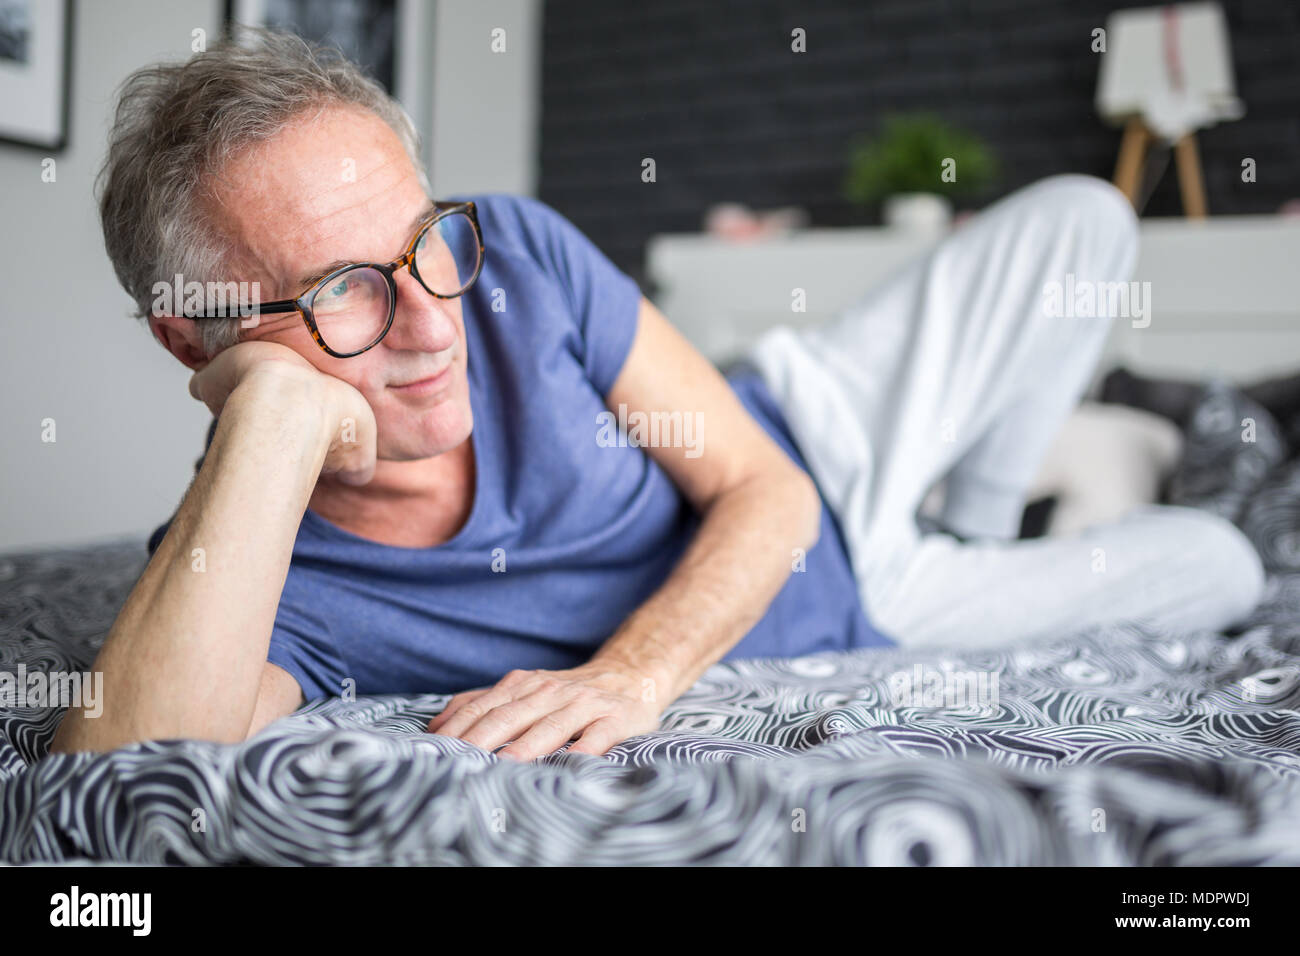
(178, 123)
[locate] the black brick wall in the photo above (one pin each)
(711, 90)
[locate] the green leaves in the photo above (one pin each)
(917, 152)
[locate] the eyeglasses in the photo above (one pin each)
(351, 309)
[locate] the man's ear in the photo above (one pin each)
(181, 337)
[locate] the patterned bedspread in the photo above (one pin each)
(1114, 746)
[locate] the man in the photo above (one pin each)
(411, 484)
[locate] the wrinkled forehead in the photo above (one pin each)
(336, 184)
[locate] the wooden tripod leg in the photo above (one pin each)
(1132, 159)
(1190, 182)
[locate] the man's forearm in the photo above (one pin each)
(737, 563)
(185, 655)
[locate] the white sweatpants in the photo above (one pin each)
(956, 369)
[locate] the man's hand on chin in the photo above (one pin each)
(538, 712)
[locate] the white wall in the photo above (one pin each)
(127, 431)
(486, 104)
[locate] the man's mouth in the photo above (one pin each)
(427, 384)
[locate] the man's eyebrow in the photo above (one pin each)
(306, 282)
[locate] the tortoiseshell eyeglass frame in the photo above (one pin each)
(303, 303)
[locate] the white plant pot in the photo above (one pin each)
(918, 212)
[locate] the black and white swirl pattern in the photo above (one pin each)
(1114, 746)
(1231, 446)
(1272, 519)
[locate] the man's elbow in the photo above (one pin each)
(60, 744)
(805, 509)
(79, 732)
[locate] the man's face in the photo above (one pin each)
(339, 187)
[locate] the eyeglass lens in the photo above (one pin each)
(351, 310)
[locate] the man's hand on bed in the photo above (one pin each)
(540, 711)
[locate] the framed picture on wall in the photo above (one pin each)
(365, 30)
(35, 72)
(391, 39)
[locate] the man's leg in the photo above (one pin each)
(1172, 568)
(954, 367)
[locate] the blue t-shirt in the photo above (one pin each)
(567, 535)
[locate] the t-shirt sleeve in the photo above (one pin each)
(301, 644)
(604, 300)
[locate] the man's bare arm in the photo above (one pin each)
(757, 508)
(187, 653)
(737, 563)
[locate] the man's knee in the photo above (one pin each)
(1106, 207)
(1229, 568)
(1101, 217)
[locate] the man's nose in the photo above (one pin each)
(422, 322)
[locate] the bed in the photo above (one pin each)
(1114, 746)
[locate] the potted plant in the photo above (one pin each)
(915, 166)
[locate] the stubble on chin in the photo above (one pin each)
(437, 431)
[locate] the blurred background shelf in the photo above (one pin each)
(1225, 297)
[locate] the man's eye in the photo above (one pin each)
(337, 289)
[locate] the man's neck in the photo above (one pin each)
(410, 504)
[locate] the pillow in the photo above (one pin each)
(1232, 445)
(1107, 460)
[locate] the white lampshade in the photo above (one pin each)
(1170, 66)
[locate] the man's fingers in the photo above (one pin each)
(352, 453)
(530, 714)
(453, 705)
(599, 736)
(357, 468)
(516, 684)
(471, 711)
(198, 384)
(551, 732)
(507, 721)
(213, 381)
